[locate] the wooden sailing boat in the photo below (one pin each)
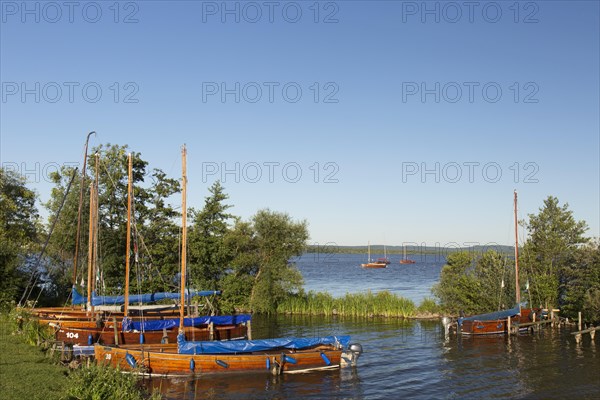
(373, 264)
(192, 358)
(384, 259)
(406, 260)
(498, 322)
(132, 330)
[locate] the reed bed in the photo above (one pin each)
(381, 304)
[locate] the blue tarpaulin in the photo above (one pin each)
(492, 316)
(248, 346)
(158, 325)
(141, 298)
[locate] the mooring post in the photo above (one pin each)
(579, 321)
(249, 329)
(211, 331)
(508, 327)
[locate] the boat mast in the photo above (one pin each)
(368, 251)
(183, 236)
(77, 235)
(91, 237)
(128, 242)
(517, 288)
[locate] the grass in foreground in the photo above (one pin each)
(26, 372)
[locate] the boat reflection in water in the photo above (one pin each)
(313, 385)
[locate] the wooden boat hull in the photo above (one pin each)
(374, 265)
(164, 360)
(106, 336)
(407, 261)
(496, 327)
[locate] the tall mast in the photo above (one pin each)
(128, 242)
(94, 232)
(90, 249)
(183, 236)
(517, 288)
(77, 235)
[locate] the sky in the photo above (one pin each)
(387, 122)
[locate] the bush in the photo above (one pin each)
(99, 382)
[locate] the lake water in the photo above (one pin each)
(407, 359)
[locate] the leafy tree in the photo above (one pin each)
(278, 238)
(457, 287)
(155, 238)
(18, 232)
(582, 287)
(261, 275)
(496, 281)
(209, 257)
(554, 239)
(474, 284)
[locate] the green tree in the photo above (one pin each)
(457, 288)
(18, 232)
(209, 256)
(154, 231)
(495, 281)
(582, 283)
(278, 238)
(554, 239)
(260, 274)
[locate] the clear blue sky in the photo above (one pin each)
(387, 108)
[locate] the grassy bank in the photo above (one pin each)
(27, 372)
(382, 304)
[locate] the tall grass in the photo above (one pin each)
(383, 304)
(100, 382)
(32, 331)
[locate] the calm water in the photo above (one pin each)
(408, 359)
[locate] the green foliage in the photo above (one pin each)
(155, 233)
(25, 371)
(99, 382)
(581, 283)
(277, 239)
(474, 284)
(428, 307)
(554, 239)
(18, 233)
(209, 256)
(457, 286)
(381, 304)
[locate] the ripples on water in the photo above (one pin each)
(409, 359)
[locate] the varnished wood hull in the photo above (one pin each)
(407, 261)
(87, 336)
(374, 265)
(164, 360)
(496, 327)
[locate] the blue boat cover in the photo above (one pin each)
(141, 298)
(492, 316)
(247, 346)
(159, 325)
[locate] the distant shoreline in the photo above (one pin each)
(379, 249)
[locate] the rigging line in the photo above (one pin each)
(48, 238)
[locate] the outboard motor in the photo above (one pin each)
(447, 323)
(352, 354)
